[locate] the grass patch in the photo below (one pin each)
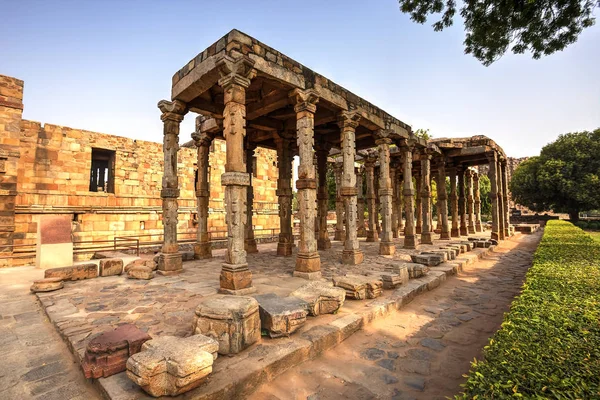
(549, 343)
(594, 235)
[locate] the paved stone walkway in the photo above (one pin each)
(422, 350)
(35, 362)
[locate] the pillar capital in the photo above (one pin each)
(304, 100)
(207, 124)
(235, 71)
(492, 157)
(322, 146)
(172, 110)
(202, 139)
(384, 136)
(348, 120)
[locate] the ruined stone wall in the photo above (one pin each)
(47, 171)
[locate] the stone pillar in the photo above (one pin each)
(377, 201)
(394, 188)
(236, 75)
(505, 202)
(383, 141)
(418, 205)
(203, 247)
(462, 204)
(493, 164)
(443, 201)
(399, 205)
(348, 122)
(408, 194)
(501, 213)
(308, 262)
(454, 231)
(249, 241)
(169, 262)
(426, 198)
(322, 149)
(362, 231)
(340, 233)
(470, 202)
(372, 235)
(284, 195)
(477, 197)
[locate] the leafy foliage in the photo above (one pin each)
(564, 178)
(549, 343)
(492, 27)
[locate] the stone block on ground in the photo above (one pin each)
(111, 266)
(233, 321)
(170, 366)
(442, 254)
(46, 285)
(281, 316)
(359, 287)
(322, 297)
(426, 259)
(150, 263)
(414, 270)
(493, 242)
(140, 272)
(73, 273)
(107, 354)
(469, 244)
(453, 251)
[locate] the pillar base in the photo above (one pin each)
(250, 246)
(202, 250)
(495, 236)
(445, 236)
(323, 244)
(311, 276)
(387, 248)
(339, 235)
(352, 257)
(362, 232)
(170, 263)
(471, 229)
(395, 234)
(478, 227)
(454, 233)
(284, 249)
(426, 238)
(464, 231)
(239, 292)
(308, 262)
(418, 230)
(372, 236)
(234, 278)
(410, 242)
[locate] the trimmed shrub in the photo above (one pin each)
(549, 343)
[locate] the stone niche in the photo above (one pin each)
(54, 247)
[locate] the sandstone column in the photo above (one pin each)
(418, 204)
(372, 235)
(462, 204)
(308, 262)
(284, 195)
(454, 231)
(399, 203)
(348, 122)
(249, 241)
(408, 193)
(203, 247)
(470, 202)
(477, 195)
(362, 232)
(394, 188)
(494, 194)
(172, 114)
(383, 141)
(377, 200)
(322, 149)
(506, 205)
(501, 211)
(340, 233)
(236, 75)
(443, 201)
(426, 197)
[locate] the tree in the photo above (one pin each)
(423, 133)
(564, 178)
(539, 26)
(485, 187)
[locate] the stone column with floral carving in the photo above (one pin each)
(284, 194)
(236, 75)
(340, 233)
(399, 203)
(470, 201)
(249, 240)
(308, 262)
(493, 173)
(362, 231)
(408, 193)
(443, 200)
(454, 230)
(477, 198)
(322, 149)
(462, 203)
(383, 141)
(394, 199)
(348, 122)
(501, 212)
(506, 206)
(170, 262)
(418, 204)
(425, 194)
(377, 201)
(372, 235)
(203, 247)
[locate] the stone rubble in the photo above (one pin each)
(73, 273)
(322, 297)
(46, 285)
(281, 316)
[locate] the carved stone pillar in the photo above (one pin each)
(340, 233)
(203, 247)
(172, 114)
(249, 241)
(383, 141)
(501, 212)
(399, 203)
(462, 203)
(477, 197)
(418, 204)
(372, 235)
(426, 237)
(362, 231)
(505, 203)
(493, 164)
(394, 188)
(443, 201)
(377, 200)
(454, 231)
(408, 194)
(284, 195)
(348, 122)
(322, 149)
(235, 278)
(470, 201)
(308, 262)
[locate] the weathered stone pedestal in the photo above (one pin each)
(46, 285)
(322, 297)
(236, 279)
(169, 264)
(281, 316)
(308, 266)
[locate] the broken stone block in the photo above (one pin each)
(73, 273)
(170, 366)
(111, 266)
(141, 262)
(46, 285)
(414, 270)
(440, 253)
(107, 354)
(281, 316)
(140, 272)
(359, 287)
(452, 251)
(233, 321)
(431, 260)
(322, 297)
(469, 244)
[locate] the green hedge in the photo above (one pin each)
(549, 343)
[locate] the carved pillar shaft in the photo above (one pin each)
(470, 202)
(202, 248)
(462, 204)
(249, 241)
(372, 235)
(501, 212)
(394, 201)
(323, 242)
(377, 202)
(505, 199)
(386, 246)
(340, 233)
(418, 205)
(477, 198)
(494, 195)
(399, 203)
(443, 202)
(426, 237)
(362, 232)
(454, 231)
(284, 196)
(308, 262)
(172, 114)
(408, 194)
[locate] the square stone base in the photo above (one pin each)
(323, 244)
(284, 249)
(362, 232)
(308, 263)
(464, 231)
(202, 250)
(339, 235)
(250, 246)
(445, 236)
(170, 262)
(410, 242)
(387, 248)
(352, 257)
(426, 238)
(311, 276)
(372, 236)
(235, 277)
(471, 229)
(454, 233)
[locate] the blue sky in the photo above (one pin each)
(103, 65)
